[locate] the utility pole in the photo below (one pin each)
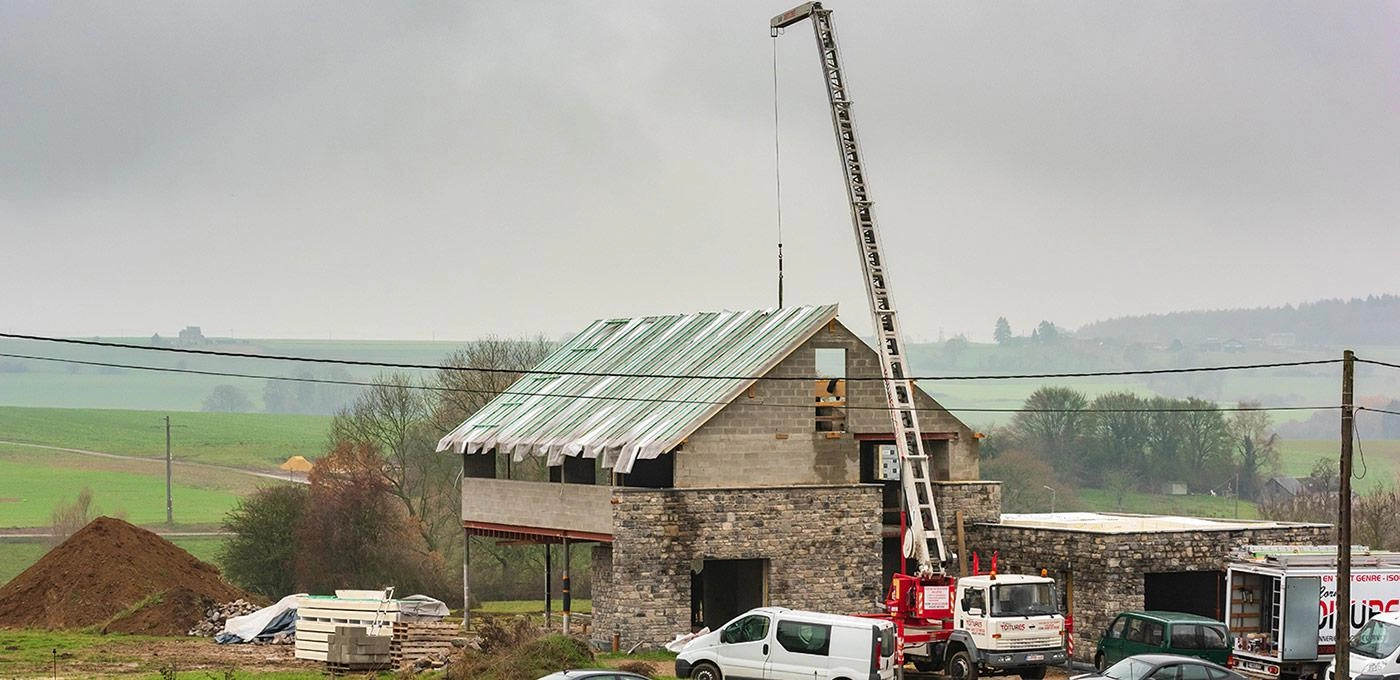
(1343, 609)
(169, 500)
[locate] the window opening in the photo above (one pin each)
(830, 389)
(804, 638)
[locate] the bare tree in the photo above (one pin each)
(463, 391)
(394, 418)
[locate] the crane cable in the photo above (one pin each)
(777, 168)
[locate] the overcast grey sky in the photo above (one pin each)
(449, 170)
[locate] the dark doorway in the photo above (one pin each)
(1192, 592)
(724, 589)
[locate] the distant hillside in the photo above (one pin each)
(1372, 321)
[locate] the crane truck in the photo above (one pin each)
(975, 625)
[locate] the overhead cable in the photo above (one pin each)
(658, 400)
(608, 374)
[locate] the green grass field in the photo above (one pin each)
(249, 440)
(34, 481)
(1376, 461)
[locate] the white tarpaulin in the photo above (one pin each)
(247, 627)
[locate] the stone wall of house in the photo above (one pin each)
(768, 436)
(821, 543)
(1108, 568)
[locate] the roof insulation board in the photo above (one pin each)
(712, 356)
(1111, 523)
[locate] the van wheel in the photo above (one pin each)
(705, 671)
(961, 667)
(1099, 662)
(1036, 673)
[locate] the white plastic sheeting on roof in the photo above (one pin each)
(553, 414)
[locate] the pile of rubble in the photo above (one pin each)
(214, 617)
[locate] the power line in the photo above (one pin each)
(1378, 363)
(605, 374)
(436, 388)
(1377, 410)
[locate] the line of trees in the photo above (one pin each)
(1123, 441)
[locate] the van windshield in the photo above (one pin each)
(1023, 599)
(1377, 639)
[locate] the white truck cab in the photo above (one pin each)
(788, 644)
(1374, 650)
(1003, 624)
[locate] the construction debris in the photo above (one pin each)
(214, 617)
(119, 577)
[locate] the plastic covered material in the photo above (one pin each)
(265, 622)
(421, 608)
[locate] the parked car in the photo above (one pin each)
(1375, 649)
(1163, 667)
(786, 643)
(1139, 632)
(594, 674)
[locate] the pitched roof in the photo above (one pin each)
(626, 418)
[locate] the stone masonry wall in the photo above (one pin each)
(980, 502)
(1108, 569)
(770, 438)
(822, 544)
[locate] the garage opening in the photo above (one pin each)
(1192, 592)
(724, 589)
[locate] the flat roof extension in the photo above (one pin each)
(1121, 523)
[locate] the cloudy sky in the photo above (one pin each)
(454, 169)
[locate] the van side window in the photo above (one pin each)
(1116, 630)
(804, 638)
(1135, 630)
(1214, 637)
(747, 629)
(1186, 636)
(1155, 632)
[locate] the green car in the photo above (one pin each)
(1163, 633)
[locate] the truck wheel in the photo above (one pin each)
(1036, 673)
(705, 671)
(1099, 662)
(961, 667)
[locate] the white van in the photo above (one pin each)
(785, 644)
(1374, 649)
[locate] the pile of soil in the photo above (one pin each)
(118, 576)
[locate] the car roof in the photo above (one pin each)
(1173, 616)
(819, 617)
(1392, 618)
(1164, 658)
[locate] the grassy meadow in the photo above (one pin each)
(257, 441)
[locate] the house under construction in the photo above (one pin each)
(718, 461)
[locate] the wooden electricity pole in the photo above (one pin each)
(169, 499)
(1343, 608)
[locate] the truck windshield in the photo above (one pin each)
(1377, 639)
(1023, 599)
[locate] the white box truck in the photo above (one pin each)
(1282, 605)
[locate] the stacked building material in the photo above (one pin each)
(352, 648)
(422, 645)
(319, 616)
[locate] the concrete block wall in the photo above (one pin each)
(770, 439)
(1108, 569)
(822, 544)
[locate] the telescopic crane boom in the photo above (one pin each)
(923, 531)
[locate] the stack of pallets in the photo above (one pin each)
(424, 644)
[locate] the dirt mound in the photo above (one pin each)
(172, 612)
(112, 571)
